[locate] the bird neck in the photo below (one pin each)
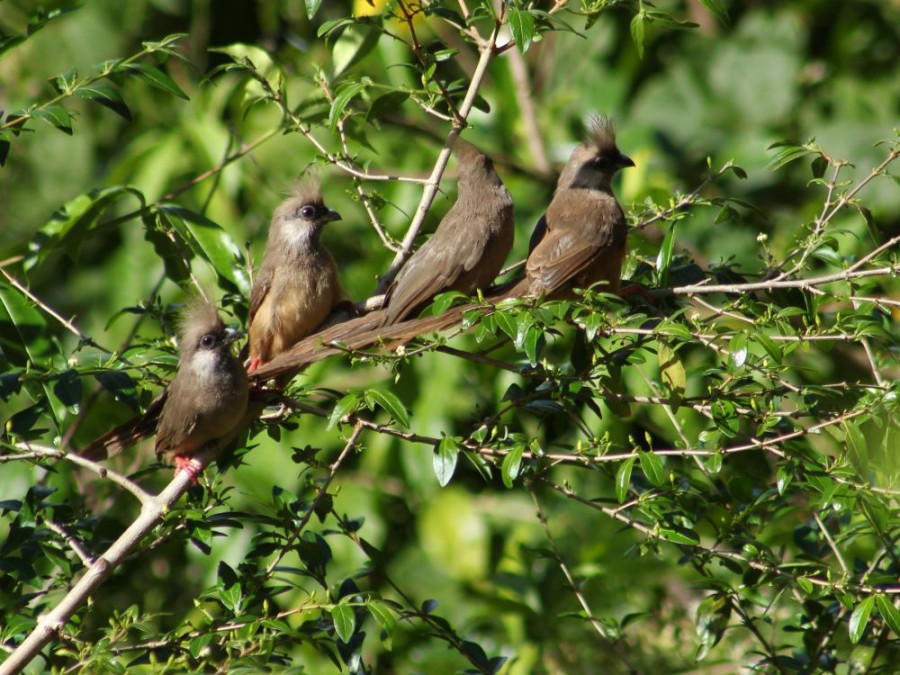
(300, 239)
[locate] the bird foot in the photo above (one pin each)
(190, 466)
(253, 365)
(632, 290)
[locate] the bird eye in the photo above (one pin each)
(208, 341)
(308, 212)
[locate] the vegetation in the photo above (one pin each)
(705, 483)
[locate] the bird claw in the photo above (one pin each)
(190, 466)
(632, 290)
(253, 365)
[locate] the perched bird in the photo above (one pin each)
(580, 240)
(469, 246)
(204, 402)
(297, 286)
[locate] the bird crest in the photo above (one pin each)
(602, 135)
(198, 318)
(307, 189)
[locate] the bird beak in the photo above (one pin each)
(331, 214)
(625, 160)
(232, 334)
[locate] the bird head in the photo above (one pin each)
(474, 166)
(204, 337)
(596, 160)
(302, 216)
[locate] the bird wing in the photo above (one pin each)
(261, 286)
(561, 256)
(435, 267)
(580, 229)
(176, 426)
(113, 442)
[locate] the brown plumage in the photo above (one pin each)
(204, 402)
(469, 246)
(298, 285)
(581, 239)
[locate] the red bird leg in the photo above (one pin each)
(638, 290)
(190, 466)
(254, 364)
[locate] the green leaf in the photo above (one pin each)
(888, 612)
(511, 466)
(521, 23)
(386, 104)
(105, 96)
(24, 334)
(737, 350)
(860, 619)
(67, 389)
(671, 372)
(637, 33)
(70, 225)
(354, 44)
(818, 166)
(56, 115)
(229, 589)
(344, 95)
(445, 456)
(718, 10)
(679, 535)
(346, 405)
(35, 23)
(507, 323)
(155, 78)
(725, 417)
(857, 448)
(623, 479)
(209, 241)
(382, 614)
(389, 402)
(532, 341)
(312, 6)
(653, 469)
(664, 257)
(168, 248)
(443, 301)
(712, 620)
(344, 621)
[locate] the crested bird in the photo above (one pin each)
(203, 403)
(581, 239)
(298, 286)
(470, 244)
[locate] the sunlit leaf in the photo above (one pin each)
(446, 455)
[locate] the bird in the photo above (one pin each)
(203, 403)
(298, 286)
(581, 239)
(468, 248)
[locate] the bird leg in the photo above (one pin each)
(190, 466)
(639, 290)
(253, 365)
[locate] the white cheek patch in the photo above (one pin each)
(203, 363)
(299, 236)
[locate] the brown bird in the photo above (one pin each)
(204, 402)
(469, 246)
(297, 286)
(581, 239)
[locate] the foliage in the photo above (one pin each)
(704, 482)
